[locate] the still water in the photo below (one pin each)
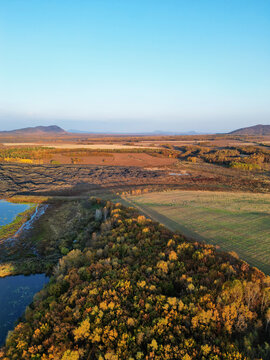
(16, 292)
(8, 211)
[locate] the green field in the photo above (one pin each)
(237, 222)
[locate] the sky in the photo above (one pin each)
(142, 65)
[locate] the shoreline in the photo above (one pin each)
(25, 223)
(10, 230)
(39, 210)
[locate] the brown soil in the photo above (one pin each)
(117, 159)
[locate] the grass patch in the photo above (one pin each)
(29, 199)
(236, 222)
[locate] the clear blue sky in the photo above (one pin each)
(135, 64)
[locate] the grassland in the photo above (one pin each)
(83, 146)
(238, 222)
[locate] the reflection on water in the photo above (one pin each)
(16, 292)
(8, 211)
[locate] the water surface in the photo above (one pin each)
(16, 292)
(9, 211)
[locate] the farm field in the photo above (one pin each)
(238, 222)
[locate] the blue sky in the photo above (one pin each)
(134, 65)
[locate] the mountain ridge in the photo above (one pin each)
(252, 130)
(36, 129)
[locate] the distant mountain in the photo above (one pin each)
(74, 131)
(53, 129)
(152, 133)
(160, 132)
(253, 130)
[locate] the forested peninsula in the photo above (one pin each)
(131, 289)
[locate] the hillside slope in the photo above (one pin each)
(52, 129)
(142, 292)
(253, 130)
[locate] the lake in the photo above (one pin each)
(16, 293)
(9, 211)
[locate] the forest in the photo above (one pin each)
(239, 157)
(132, 289)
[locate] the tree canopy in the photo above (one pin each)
(139, 291)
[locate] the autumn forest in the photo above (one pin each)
(143, 292)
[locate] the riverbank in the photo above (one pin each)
(12, 229)
(25, 219)
(45, 239)
(39, 210)
(13, 238)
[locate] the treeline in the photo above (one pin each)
(245, 157)
(138, 291)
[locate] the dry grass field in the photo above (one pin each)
(82, 146)
(237, 222)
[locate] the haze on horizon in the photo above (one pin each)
(135, 66)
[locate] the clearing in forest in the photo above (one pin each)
(238, 222)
